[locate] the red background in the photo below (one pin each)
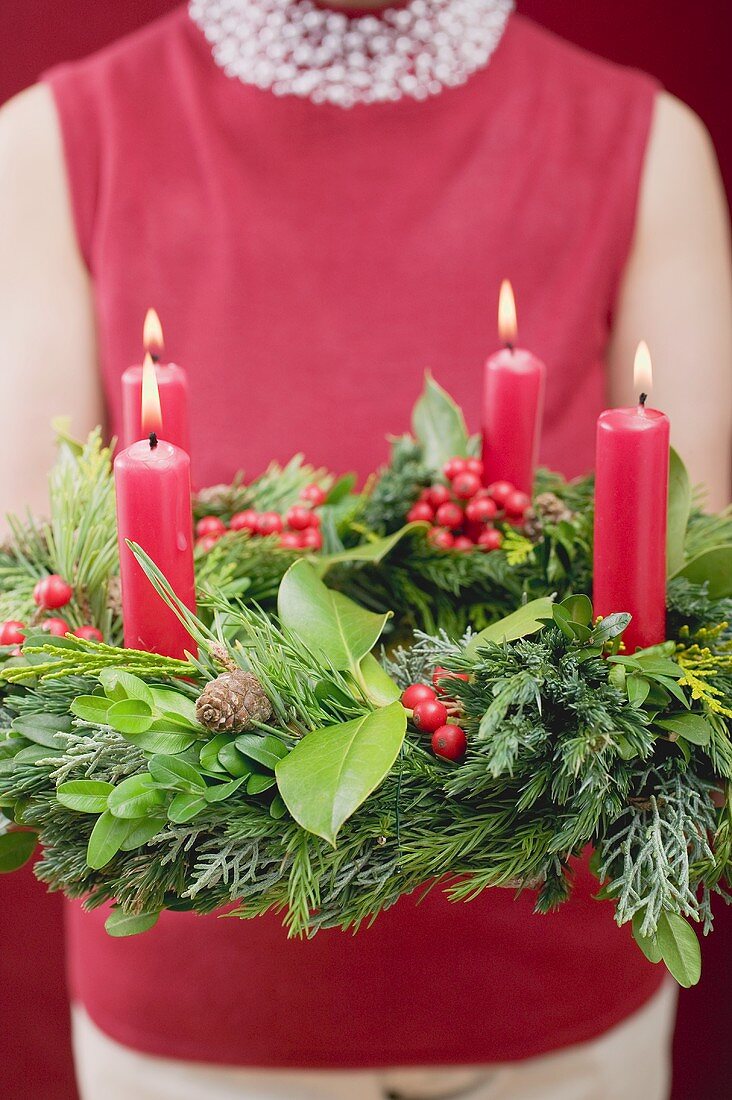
(681, 44)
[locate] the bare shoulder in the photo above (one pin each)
(29, 132)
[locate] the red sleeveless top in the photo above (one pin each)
(308, 263)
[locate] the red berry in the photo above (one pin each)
(270, 523)
(57, 627)
(441, 538)
(291, 540)
(449, 515)
(298, 517)
(417, 693)
(52, 592)
(499, 490)
(421, 511)
(311, 539)
(516, 503)
(437, 495)
(466, 485)
(449, 742)
(210, 525)
(313, 494)
(480, 510)
(12, 632)
(462, 542)
(453, 467)
(424, 494)
(474, 466)
(248, 520)
(441, 674)
(429, 715)
(206, 543)
(490, 539)
(314, 519)
(89, 633)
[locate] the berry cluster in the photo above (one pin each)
(298, 529)
(463, 513)
(50, 594)
(431, 714)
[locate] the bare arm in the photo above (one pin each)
(47, 341)
(677, 295)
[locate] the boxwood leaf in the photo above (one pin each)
(209, 754)
(233, 761)
(256, 784)
(679, 948)
(579, 608)
(185, 806)
(119, 923)
(328, 622)
(169, 771)
(43, 728)
(439, 425)
(91, 708)
(130, 716)
(331, 771)
(136, 796)
(692, 727)
(163, 740)
(16, 848)
(119, 684)
(221, 791)
(263, 749)
(171, 703)
(86, 796)
(141, 831)
(105, 840)
(648, 944)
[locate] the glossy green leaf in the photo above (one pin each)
(638, 689)
(172, 704)
(648, 944)
(679, 948)
(526, 620)
(258, 783)
(209, 754)
(92, 708)
(332, 771)
(579, 608)
(119, 684)
(265, 749)
(185, 806)
(233, 761)
(141, 831)
(368, 552)
(380, 687)
(222, 791)
(169, 771)
(16, 848)
(86, 796)
(327, 622)
(161, 740)
(130, 716)
(277, 808)
(137, 796)
(610, 627)
(119, 923)
(439, 426)
(714, 567)
(106, 840)
(692, 727)
(341, 489)
(679, 507)
(32, 753)
(43, 729)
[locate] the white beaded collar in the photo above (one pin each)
(293, 47)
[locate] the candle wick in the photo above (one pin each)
(155, 356)
(510, 347)
(153, 441)
(642, 400)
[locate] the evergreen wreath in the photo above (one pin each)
(283, 768)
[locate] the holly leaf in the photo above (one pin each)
(527, 620)
(368, 552)
(332, 771)
(438, 425)
(327, 622)
(380, 687)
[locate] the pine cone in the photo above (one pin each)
(547, 508)
(233, 701)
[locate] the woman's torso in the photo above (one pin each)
(308, 263)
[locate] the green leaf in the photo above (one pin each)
(43, 729)
(380, 687)
(184, 807)
(169, 771)
(679, 507)
(223, 791)
(16, 848)
(137, 796)
(332, 771)
(579, 608)
(439, 426)
(263, 749)
(713, 567)
(527, 620)
(233, 761)
(610, 627)
(106, 840)
(32, 753)
(164, 740)
(86, 796)
(277, 808)
(648, 944)
(371, 552)
(341, 489)
(141, 831)
(327, 622)
(256, 784)
(172, 704)
(130, 716)
(638, 689)
(119, 684)
(679, 948)
(91, 708)
(209, 754)
(119, 923)
(560, 617)
(692, 727)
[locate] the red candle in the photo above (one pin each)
(631, 500)
(172, 384)
(513, 399)
(153, 486)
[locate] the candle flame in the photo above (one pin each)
(152, 418)
(506, 313)
(643, 369)
(152, 333)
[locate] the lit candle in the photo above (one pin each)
(631, 500)
(173, 385)
(153, 487)
(513, 399)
